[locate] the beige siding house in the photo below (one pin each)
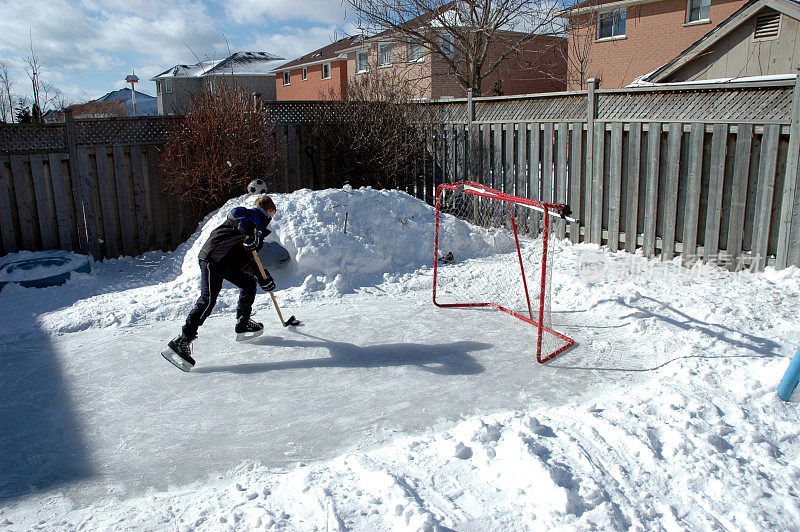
(248, 71)
(760, 39)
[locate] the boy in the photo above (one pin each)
(228, 255)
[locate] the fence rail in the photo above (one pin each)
(704, 171)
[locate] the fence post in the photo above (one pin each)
(89, 240)
(591, 115)
(790, 181)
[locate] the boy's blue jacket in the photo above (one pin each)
(224, 247)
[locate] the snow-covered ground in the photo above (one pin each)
(382, 411)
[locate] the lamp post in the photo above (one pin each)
(132, 79)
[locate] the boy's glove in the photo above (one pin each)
(268, 283)
(254, 241)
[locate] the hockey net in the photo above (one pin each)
(495, 250)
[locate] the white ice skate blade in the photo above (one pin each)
(173, 358)
(243, 337)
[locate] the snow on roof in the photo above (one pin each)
(240, 63)
(640, 81)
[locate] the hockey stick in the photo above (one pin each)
(292, 320)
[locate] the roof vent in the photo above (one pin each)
(767, 25)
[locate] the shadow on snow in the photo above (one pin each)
(441, 359)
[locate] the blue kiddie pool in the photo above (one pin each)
(39, 269)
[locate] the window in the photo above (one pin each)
(447, 45)
(611, 24)
(326, 71)
(287, 78)
(168, 86)
(385, 54)
(698, 10)
(362, 62)
(768, 25)
(305, 74)
(415, 50)
(158, 86)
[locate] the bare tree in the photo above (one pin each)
(471, 37)
(44, 92)
(372, 136)
(581, 31)
(6, 99)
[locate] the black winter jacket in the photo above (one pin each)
(224, 248)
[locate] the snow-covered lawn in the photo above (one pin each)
(382, 411)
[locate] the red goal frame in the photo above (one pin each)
(548, 209)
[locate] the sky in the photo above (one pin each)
(88, 47)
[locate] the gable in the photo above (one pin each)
(759, 39)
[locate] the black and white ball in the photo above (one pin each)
(257, 186)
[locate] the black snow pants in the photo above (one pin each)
(211, 277)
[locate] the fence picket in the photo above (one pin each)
(562, 147)
(614, 186)
(9, 238)
(534, 174)
(108, 201)
(44, 209)
(719, 140)
(765, 193)
(509, 177)
(576, 179)
(155, 186)
(140, 200)
(598, 163)
(651, 188)
(66, 229)
(744, 142)
(25, 205)
(693, 185)
(632, 198)
(670, 195)
(124, 201)
(547, 162)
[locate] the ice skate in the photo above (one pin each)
(247, 329)
(179, 353)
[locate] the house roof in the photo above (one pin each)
(240, 63)
(146, 105)
(790, 8)
(327, 53)
(124, 94)
(588, 6)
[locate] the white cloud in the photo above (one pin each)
(293, 42)
(324, 11)
(95, 43)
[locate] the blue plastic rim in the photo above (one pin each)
(53, 260)
(790, 378)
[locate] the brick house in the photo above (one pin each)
(619, 41)
(248, 71)
(538, 67)
(326, 73)
(321, 74)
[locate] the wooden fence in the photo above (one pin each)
(90, 186)
(704, 171)
(709, 172)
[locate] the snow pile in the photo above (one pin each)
(388, 233)
(385, 412)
